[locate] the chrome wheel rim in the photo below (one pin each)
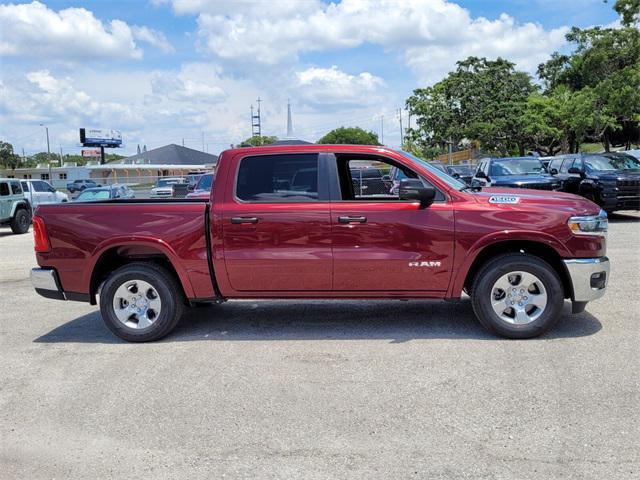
(137, 304)
(518, 298)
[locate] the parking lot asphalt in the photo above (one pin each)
(371, 389)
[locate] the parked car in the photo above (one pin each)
(192, 180)
(203, 188)
(164, 187)
(105, 193)
(15, 209)
(461, 172)
(514, 172)
(39, 192)
(518, 254)
(369, 181)
(80, 185)
(612, 180)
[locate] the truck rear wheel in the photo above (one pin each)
(141, 302)
(20, 221)
(517, 295)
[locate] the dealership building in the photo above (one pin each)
(144, 168)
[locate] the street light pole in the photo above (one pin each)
(48, 149)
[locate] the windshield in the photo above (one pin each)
(516, 166)
(461, 169)
(445, 177)
(617, 162)
(168, 181)
(205, 182)
(89, 195)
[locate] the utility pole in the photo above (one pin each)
(382, 129)
(400, 119)
(48, 148)
(183, 142)
(203, 141)
(450, 143)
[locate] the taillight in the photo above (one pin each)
(40, 237)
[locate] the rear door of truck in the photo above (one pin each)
(276, 225)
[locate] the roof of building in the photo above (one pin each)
(291, 141)
(171, 154)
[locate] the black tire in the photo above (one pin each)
(488, 275)
(20, 221)
(168, 290)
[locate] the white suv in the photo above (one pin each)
(39, 192)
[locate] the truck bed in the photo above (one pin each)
(85, 234)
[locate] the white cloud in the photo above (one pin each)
(44, 97)
(417, 30)
(34, 30)
(152, 37)
(330, 87)
(242, 7)
(194, 82)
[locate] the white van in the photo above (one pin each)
(39, 192)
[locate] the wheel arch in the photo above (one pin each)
(539, 249)
(118, 254)
(20, 204)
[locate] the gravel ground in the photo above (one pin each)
(377, 390)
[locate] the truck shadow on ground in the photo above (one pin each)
(622, 218)
(395, 321)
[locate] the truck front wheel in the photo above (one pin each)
(141, 302)
(517, 295)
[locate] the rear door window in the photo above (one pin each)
(278, 178)
(4, 189)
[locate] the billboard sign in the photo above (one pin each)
(100, 137)
(91, 153)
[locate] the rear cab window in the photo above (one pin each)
(278, 178)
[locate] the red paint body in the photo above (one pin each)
(300, 249)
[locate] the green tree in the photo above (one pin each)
(482, 100)
(258, 140)
(603, 72)
(8, 159)
(350, 135)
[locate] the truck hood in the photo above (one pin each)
(522, 180)
(616, 175)
(537, 199)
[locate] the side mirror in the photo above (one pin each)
(481, 174)
(386, 178)
(553, 171)
(413, 189)
(575, 171)
(455, 175)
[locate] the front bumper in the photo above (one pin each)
(589, 277)
(47, 283)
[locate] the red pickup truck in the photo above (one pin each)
(290, 222)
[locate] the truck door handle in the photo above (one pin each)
(238, 220)
(352, 219)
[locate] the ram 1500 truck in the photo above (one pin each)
(286, 222)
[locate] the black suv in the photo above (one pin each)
(514, 172)
(612, 180)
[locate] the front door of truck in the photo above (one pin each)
(276, 225)
(381, 243)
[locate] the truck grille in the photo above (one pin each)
(629, 186)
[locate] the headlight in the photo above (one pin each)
(590, 224)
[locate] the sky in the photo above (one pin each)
(174, 71)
